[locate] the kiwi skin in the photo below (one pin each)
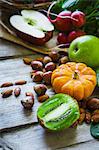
(43, 124)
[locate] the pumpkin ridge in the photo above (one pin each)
(90, 78)
(67, 88)
(80, 94)
(89, 89)
(88, 70)
(59, 84)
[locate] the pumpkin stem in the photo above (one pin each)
(75, 75)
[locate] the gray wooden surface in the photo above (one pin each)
(22, 131)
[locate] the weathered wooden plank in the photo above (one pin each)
(36, 137)
(4, 145)
(90, 145)
(14, 39)
(11, 112)
(44, 49)
(14, 69)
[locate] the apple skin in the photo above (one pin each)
(34, 40)
(85, 49)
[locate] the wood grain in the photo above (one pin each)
(12, 113)
(31, 137)
(38, 138)
(7, 34)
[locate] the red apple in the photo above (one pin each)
(32, 26)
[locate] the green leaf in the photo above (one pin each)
(97, 73)
(94, 130)
(69, 3)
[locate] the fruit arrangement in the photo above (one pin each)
(63, 73)
(73, 75)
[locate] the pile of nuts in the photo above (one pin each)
(89, 111)
(28, 100)
(9, 92)
(42, 69)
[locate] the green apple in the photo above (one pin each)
(85, 49)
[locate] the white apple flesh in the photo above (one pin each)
(41, 20)
(32, 26)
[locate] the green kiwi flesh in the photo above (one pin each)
(58, 112)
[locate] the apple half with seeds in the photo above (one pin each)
(32, 26)
(58, 112)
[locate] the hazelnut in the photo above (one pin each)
(93, 104)
(54, 56)
(43, 98)
(47, 59)
(36, 65)
(28, 102)
(40, 89)
(38, 76)
(47, 77)
(50, 66)
(64, 60)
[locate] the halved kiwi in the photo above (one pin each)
(58, 112)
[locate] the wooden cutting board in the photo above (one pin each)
(48, 47)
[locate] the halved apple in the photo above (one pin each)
(32, 26)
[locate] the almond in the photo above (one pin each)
(17, 91)
(82, 110)
(20, 82)
(95, 112)
(81, 119)
(88, 117)
(27, 61)
(95, 118)
(6, 93)
(74, 124)
(43, 98)
(40, 59)
(6, 84)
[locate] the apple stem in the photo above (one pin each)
(53, 14)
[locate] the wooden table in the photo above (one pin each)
(19, 130)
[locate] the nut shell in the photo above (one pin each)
(54, 56)
(38, 76)
(36, 65)
(28, 102)
(47, 77)
(50, 66)
(43, 98)
(47, 59)
(40, 89)
(93, 104)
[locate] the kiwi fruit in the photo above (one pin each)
(58, 112)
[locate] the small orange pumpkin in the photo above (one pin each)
(75, 79)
